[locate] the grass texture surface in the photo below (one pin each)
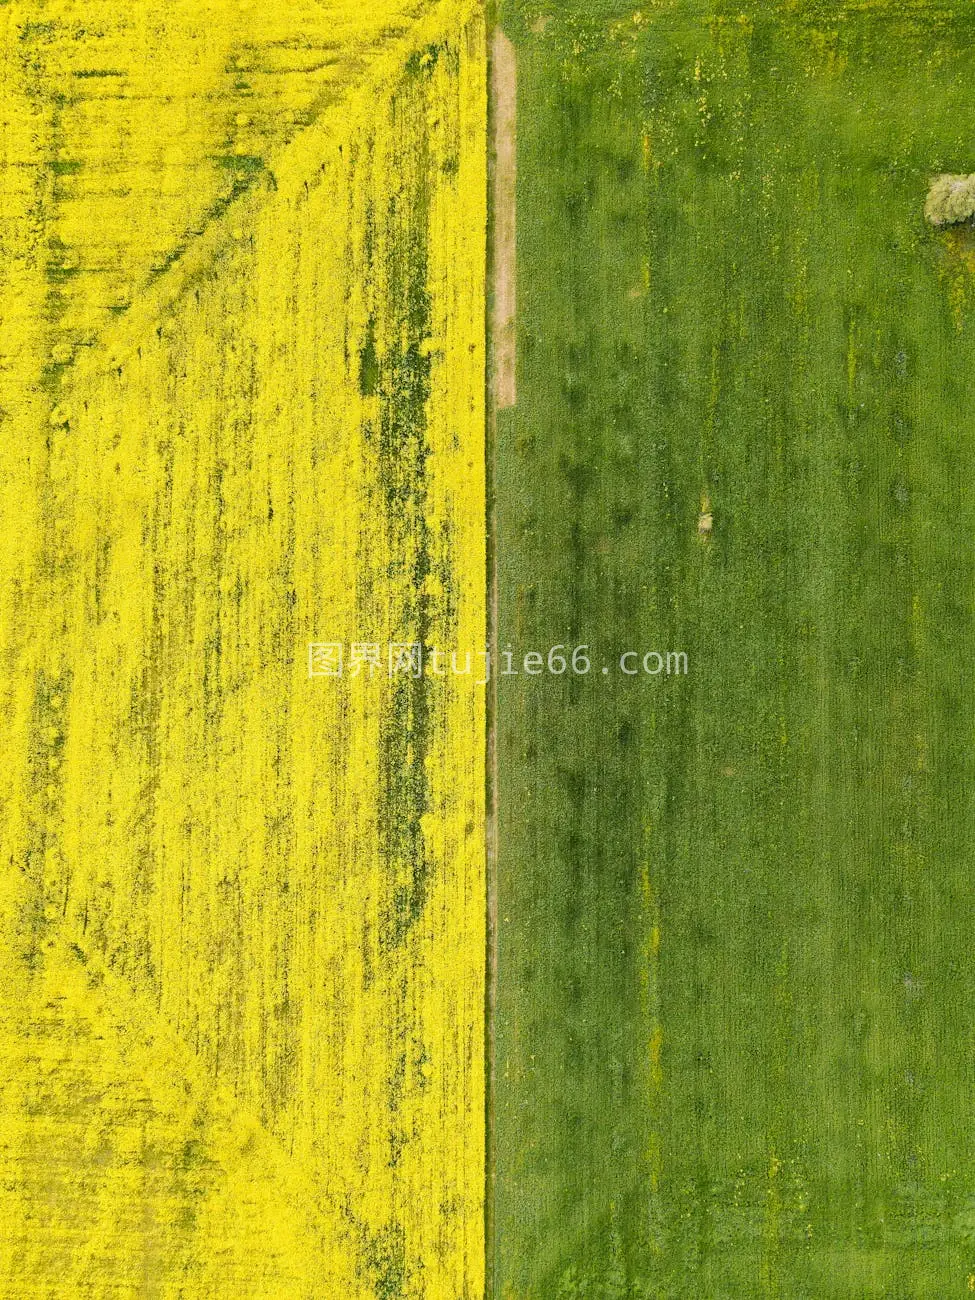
(733, 1036)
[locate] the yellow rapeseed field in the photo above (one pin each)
(241, 411)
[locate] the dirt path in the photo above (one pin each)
(502, 395)
(504, 97)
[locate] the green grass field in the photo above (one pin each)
(735, 1044)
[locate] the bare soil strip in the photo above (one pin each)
(504, 93)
